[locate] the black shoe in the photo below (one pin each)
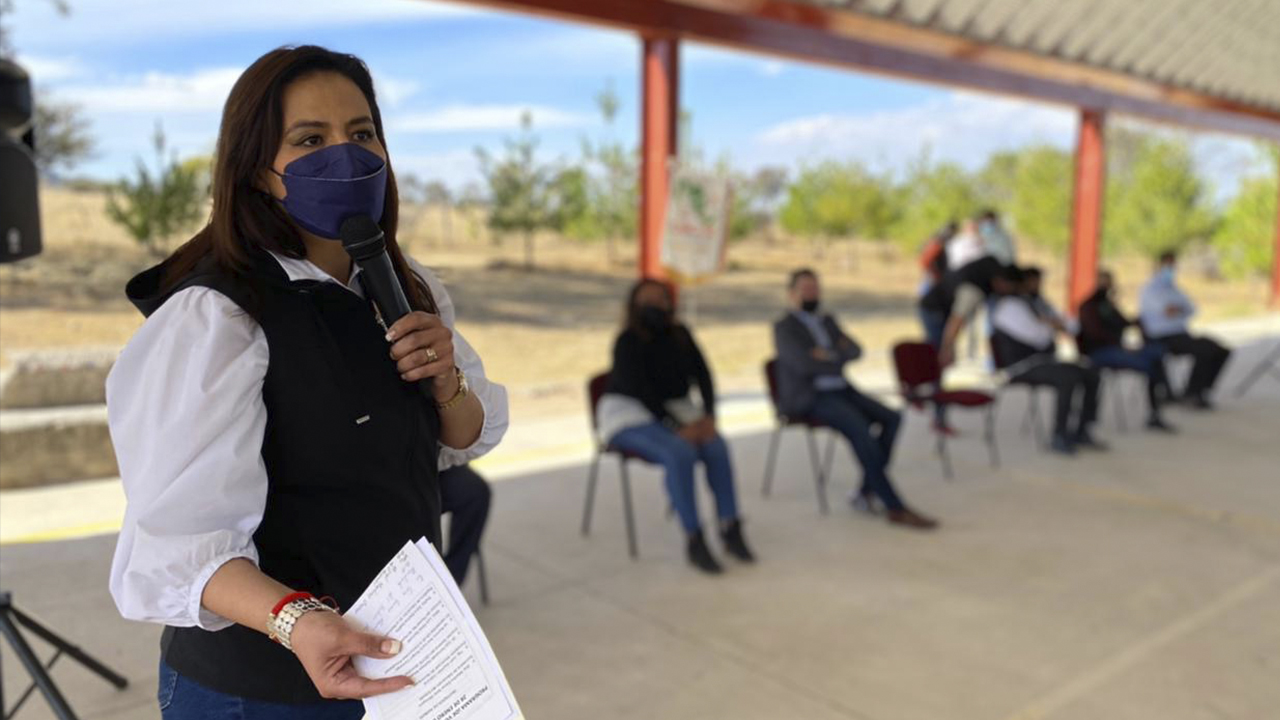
(1084, 441)
(1062, 445)
(1199, 402)
(1158, 424)
(734, 543)
(700, 555)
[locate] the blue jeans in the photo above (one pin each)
(658, 444)
(854, 415)
(1149, 360)
(181, 698)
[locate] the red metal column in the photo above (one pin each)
(1086, 221)
(1275, 258)
(659, 114)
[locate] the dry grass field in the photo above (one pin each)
(541, 332)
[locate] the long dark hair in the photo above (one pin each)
(631, 313)
(243, 215)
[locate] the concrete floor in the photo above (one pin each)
(1135, 585)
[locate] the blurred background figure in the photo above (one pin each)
(1024, 347)
(812, 351)
(1165, 312)
(1101, 340)
(465, 497)
(647, 411)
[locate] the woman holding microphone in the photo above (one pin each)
(274, 440)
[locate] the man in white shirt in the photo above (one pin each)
(1164, 311)
(1024, 345)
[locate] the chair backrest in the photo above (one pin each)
(917, 365)
(771, 379)
(596, 388)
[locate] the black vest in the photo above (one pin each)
(350, 453)
(1007, 351)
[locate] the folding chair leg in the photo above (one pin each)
(831, 454)
(592, 475)
(770, 461)
(819, 479)
(989, 434)
(484, 579)
(944, 456)
(1118, 402)
(627, 510)
(1034, 411)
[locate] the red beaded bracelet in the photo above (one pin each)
(288, 599)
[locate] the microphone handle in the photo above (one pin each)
(386, 292)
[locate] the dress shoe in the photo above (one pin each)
(907, 517)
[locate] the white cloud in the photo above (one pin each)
(456, 118)
(154, 92)
(960, 126)
(772, 68)
(99, 21)
(44, 68)
(393, 91)
(455, 168)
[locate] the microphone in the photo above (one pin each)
(366, 244)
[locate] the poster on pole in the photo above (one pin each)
(693, 236)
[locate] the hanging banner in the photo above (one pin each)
(693, 236)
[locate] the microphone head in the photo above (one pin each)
(362, 237)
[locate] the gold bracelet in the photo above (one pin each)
(461, 394)
(280, 625)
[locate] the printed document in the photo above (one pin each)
(415, 600)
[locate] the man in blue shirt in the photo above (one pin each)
(1164, 311)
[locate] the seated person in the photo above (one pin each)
(646, 410)
(1101, 340)
(1023, 342)
(812, 351)
(464, 498)
(948, 306)
(1164, 311)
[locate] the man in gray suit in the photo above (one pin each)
(812, 351)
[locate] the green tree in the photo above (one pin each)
(154, 208)
(1159, 201)
(1041, 202)
(611, 176)
(62, 137)
(998, 179)
(520, 191)
(1245, 240)
(931, 195)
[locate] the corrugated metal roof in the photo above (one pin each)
(1228, 49)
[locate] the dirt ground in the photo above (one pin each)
(541, 332)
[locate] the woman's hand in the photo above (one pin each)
(325, 644)
(422, 346)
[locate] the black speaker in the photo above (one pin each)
(19, 205)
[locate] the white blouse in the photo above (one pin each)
(185, 409)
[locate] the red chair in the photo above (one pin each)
(920, 381)
(596, 387)
(810, 425)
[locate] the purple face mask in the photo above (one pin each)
(326, 187)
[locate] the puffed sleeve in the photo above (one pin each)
(492, 396)
(185, 410)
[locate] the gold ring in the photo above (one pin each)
(431, 355)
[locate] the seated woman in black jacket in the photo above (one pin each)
(647, 411)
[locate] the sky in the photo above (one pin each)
(452, 78)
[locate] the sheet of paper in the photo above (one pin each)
(415, 600)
